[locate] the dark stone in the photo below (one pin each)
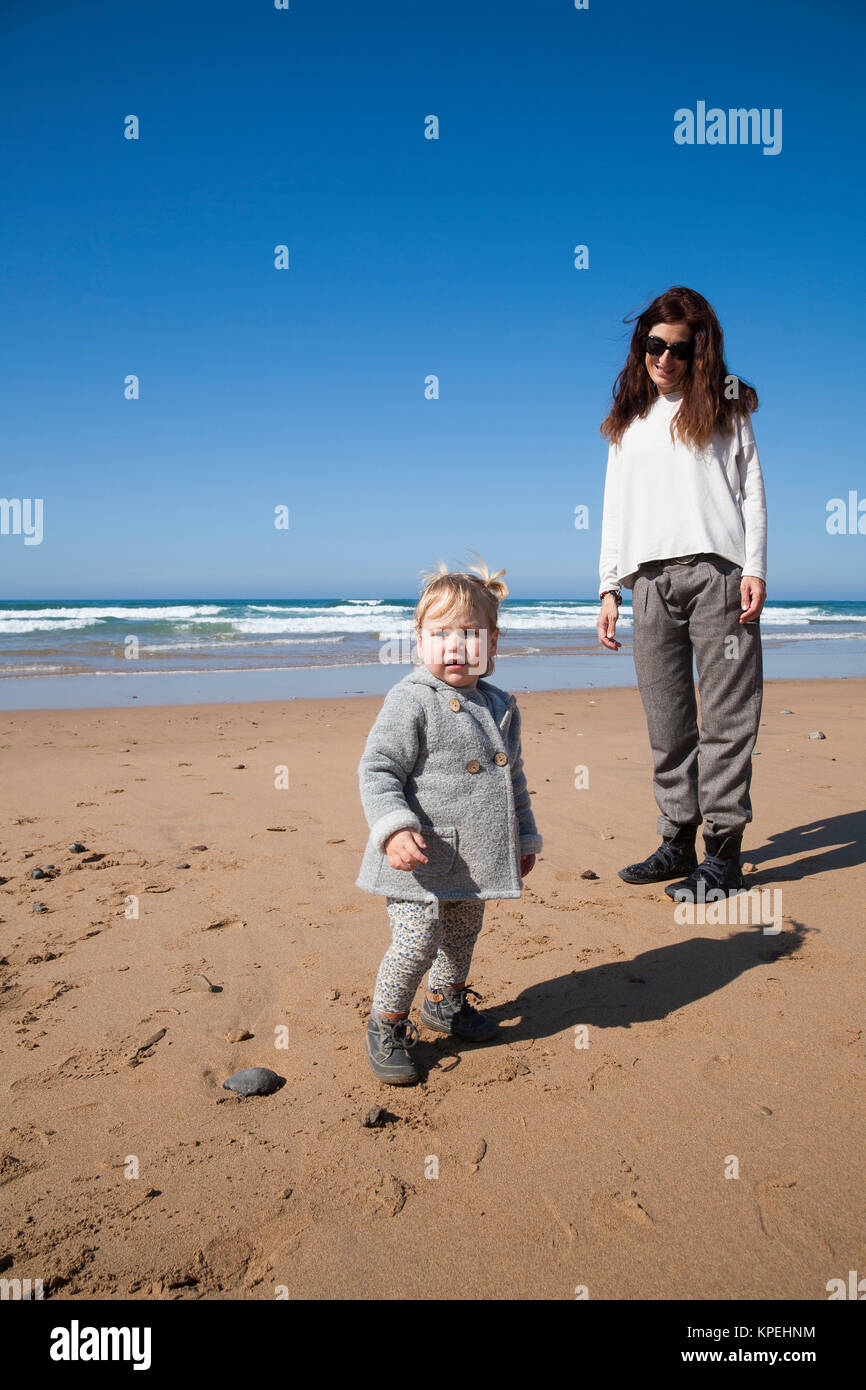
(77, 848)
(254, 1081)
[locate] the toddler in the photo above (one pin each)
(451, 823)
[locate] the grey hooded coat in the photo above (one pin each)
(439, 761)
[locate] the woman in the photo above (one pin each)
(685, 528)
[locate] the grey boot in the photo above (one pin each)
(453, 1015)
(388, 1041)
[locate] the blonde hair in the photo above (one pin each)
(450, 591)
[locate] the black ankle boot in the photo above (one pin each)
(720, 871)
(675, 855)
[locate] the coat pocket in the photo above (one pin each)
(441, 848)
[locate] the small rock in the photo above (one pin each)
(589, 873)
(39, 907)
(151, 1041)
(253, 1081)
(239, 767)
(181, 866)
(198, 847)
(786, 711)
(765, 1110)
(77, 848)
(203, 983)
(335, 842)
(605, 836)
(756, 752)
(237, 1035)
(48, 866)
(286, 1193)
(748, 868)
(817, 734)
(332, 994)
(37, 873)
(479, 1151)
(371, 1118)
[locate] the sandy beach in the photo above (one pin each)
(670, 1110)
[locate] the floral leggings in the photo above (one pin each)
(420, 940)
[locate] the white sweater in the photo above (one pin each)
(663, 499)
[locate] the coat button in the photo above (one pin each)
(473, 765)
(501, 759)
(454, 704)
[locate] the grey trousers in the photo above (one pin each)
(680, 610)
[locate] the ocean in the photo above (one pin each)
(68, 653)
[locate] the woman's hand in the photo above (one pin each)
(526, 864)
(753, 596)
(402, 850)
(606, 625)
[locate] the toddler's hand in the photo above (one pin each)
(402, 850)
(526, 864)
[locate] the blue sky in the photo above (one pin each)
(408, 256)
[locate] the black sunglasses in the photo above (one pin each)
(656, 347)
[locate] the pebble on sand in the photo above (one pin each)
(77, 847)
(371, 1118)
(203, 983)
(253, 1081)
(236, 1035)
(589, 873)
(817, 734)
(181, 866)
(786, 711)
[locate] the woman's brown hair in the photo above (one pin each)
(712, 397)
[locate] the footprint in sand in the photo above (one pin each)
(626, 1204)
(607, 1074)
(780, 1201)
